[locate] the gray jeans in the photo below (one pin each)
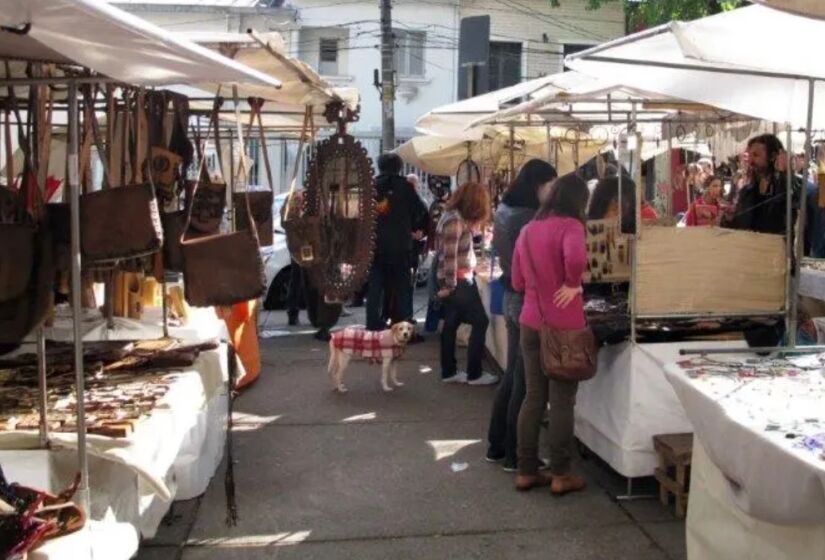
(541, 390)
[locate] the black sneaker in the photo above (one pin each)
(512, 466)
(323, 335)
(293, 320)
(493, 458)
(416, 339)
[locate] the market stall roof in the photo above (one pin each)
(810, 8)
(114, 43)
(749, 61)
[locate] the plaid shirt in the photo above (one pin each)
(454, 245)
(372, 345)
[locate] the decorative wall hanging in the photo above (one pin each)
(339, 191)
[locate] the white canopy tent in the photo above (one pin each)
(810, 8)
(113, 43)
(726, 60)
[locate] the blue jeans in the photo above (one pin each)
(502, 435)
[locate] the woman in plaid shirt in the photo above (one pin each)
(465, 213)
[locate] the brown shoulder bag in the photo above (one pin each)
(259, 201)
(569, 355)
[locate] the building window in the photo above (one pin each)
(572, 48)
(505, 65)
(328, 61)
(409, 52)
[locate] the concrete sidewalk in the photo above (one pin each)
(369, 475)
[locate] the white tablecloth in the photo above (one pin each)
(762, 432)
(497, 332)
(718, 530)
(629, 401)
(812, 283)
(171, 455)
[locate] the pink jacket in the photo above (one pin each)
(558, 255)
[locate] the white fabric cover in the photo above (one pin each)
(628, 402)
(718, 530)
(115, 43)
(769, 478)
(812, 283)
(733, 41)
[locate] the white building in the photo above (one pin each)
(529, 38)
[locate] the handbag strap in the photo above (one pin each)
(257, 105)
(530, 263)
(91, 115)
(242, 165)
(307, 125)
(8, 145)
(201, 165)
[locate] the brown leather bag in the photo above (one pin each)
(207, 198)
(569, 355)
(123, 222)
(222, 269)
(260, 202)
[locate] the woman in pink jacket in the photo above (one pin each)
(548, 264)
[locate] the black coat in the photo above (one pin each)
(400, 212)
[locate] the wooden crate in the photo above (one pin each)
(675, 452)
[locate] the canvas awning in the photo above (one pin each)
(114, 43)
(809, 8)
(750, 61)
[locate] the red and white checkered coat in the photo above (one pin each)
(371, 345)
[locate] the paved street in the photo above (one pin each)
(372, 476)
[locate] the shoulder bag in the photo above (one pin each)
(259, 201)
(207, 198)
(221, 269)
(569, 355)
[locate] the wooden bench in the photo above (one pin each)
(675, 452)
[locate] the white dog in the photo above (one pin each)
(384, 346)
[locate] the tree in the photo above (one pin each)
(642, 14)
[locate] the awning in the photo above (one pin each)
(114, 43)
(809, 8)
(751, 61)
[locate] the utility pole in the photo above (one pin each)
(387, 77)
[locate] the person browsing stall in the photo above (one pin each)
(548, 264)
(707, 210)
(465, 213)
(519, 205)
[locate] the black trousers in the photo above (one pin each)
(322, 315)
(502, 436)
(390, 284)
(295, 295)
(463, 306)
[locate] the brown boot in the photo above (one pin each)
(525, 482)
(567, 483)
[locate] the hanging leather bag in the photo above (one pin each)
(568, 355)
(260, 202)
(221, 269)
(205, 197)
(123, 222)
(26, 273)
(305, 235)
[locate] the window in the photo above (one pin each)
(505, 65)
(328, 60)
(409, 52)
(573, 48)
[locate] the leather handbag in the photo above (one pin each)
(123, 222)
(260, 202)
(569, 355)
(221, 269)
(207, 198)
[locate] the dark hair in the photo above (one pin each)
(711, 178)
(524, 191)
(607, 191)
(772, 145)
(390, 164)
(472, 201)
(568, 198)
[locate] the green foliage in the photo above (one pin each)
(648, 13)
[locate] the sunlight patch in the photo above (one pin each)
(254, 541)
(444, 448)
(360, 417)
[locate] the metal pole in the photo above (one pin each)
(789, 274)
(387, 77)
(759, 350)
(669, 192)
(800, 239)
(512, 153)
(42, 387)
(74, 202)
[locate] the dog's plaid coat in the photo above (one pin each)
(371, 345)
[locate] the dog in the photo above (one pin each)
(385, 346)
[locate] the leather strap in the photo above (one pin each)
(10, 177)
(308, 124)
(242, 164)
(91, 116)
(256, 104)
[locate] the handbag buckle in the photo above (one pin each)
(307, 254)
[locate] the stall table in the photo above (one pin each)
(758, 478)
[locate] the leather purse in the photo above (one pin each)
(260, 202)
(221, 269)
(568, 355)
(207, 198)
